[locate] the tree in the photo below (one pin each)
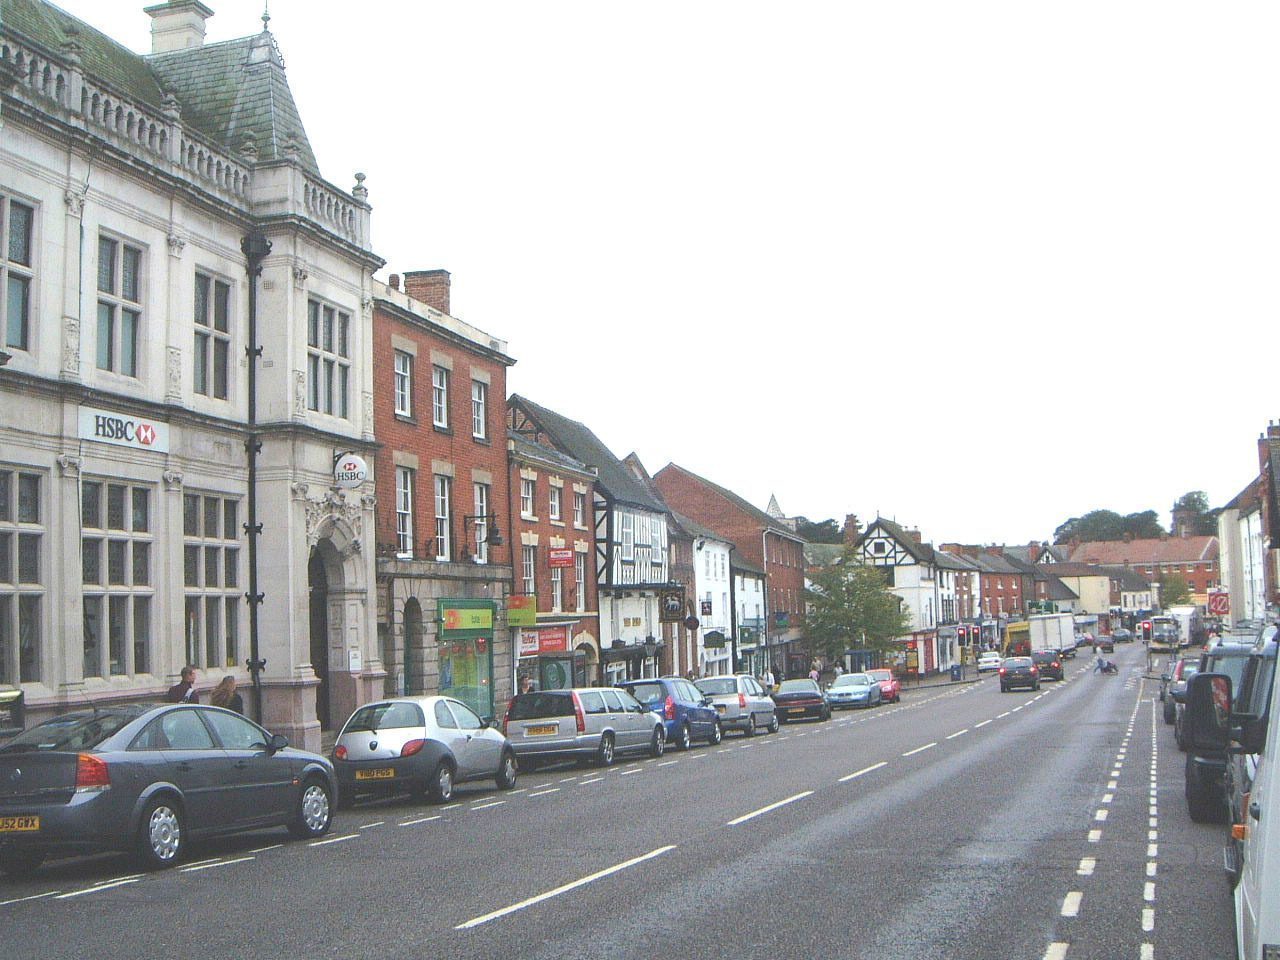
(851, 607)
(1173, 589)
(1109, 525)
(1201, 520)
(819, 531)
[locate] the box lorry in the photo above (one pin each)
(1053, 631)
(1190, 625)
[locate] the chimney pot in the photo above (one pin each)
(394, 282)
(428, 286)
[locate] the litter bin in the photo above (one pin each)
(955, 671)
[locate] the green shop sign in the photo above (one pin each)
(460, 619)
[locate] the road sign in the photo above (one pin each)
(1219, 603)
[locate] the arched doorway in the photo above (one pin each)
(414, 654)
(318, 589)
(586, 665)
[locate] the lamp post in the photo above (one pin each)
(487, 531)
(255, 247)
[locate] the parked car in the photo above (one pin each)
(741, 703)
(1050, 664)
(853, 690)
(1206, 787)
(423, 746)
(890, 686)
(684, 709)
(1018, 672)
(1223, 656)
(800, 699)
(150, 779)
(1183, 670)
(988, 662)
(1121, 635)
(586, 723)
(1253, 706)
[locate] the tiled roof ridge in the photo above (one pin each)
(738, 499)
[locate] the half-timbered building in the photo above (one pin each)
(912, 573)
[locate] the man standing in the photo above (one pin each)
(184, 691)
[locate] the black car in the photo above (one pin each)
(800, 699)
(1050, 664)
(1019, 672)
(150, 779)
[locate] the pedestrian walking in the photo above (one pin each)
(767, 680)
(184, 691)
(224, 695)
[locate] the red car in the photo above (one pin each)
(890, 688)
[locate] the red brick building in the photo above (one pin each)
(443, 537)
(757, 538)
(553, 544)
(1195, 559)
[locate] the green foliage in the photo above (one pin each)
(1203, 522)
(1197, 501)
(851, 607)
(819, 531)
(1109, 525)
(1173, 589)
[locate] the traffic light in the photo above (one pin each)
(1146, 631)
(962, 635)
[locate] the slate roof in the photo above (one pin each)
(577, 440)
(1247, 500)
(1057, 590)
(763, 518)
(1024, 553)
(950, 561)
(1078, 570)
(1150, 550)
(697, 530)
(1130, 579)
(225, 90)
(523, 445)
(741, 565)
(994, 563)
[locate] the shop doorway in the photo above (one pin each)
(318, 590)
(414, 654)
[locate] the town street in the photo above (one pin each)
(962, 823)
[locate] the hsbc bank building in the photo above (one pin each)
(186, 310)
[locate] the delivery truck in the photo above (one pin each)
(1190, 623)
(1053, 631)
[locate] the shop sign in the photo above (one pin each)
(553, 639)
(713, 638)
(560, 557)
(522, 610)
(123, 430)
(528, 643)
(350, 471)
(782, 620)
(465, 618)
(671, 603)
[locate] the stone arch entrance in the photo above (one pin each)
(586, 664)
(414, 650)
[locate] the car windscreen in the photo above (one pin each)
(385, 716)
(721, 685)
(74, 731)
(1233, 667)
(647, 693)
(535, 706)
(798, 686)
(852, 680)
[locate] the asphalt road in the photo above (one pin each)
(962, 823)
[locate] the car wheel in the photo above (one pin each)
(751, 726)
(162, 837)
(683, 738)
(506, 778)
(658, 745)
(314, 814)
(20, 864)
(604, 753)
(774, 724)
(1170, 711)
(441, 786)
(717, 734)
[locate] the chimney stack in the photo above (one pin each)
(177, 25)
(852, 529)
(428, 286)
(394, 282)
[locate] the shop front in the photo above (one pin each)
(466, 652)
(548, 659)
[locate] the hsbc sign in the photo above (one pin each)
(123, 430)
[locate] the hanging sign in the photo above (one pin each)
(522, 610)
(560, 557)
(350, 471)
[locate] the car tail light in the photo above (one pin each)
(506, 717)
(579, 715)
(669, 708)
(742, 701)
(340, 752)
(1056, 664)
(1035, 669)
(412, 747)
(1002, 671)
(92, 773)
(1239, 831)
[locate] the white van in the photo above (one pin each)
(1213, 725)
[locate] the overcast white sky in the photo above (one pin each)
(978, 266)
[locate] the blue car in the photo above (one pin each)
(687, 714)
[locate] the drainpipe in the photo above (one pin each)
(255, 247)
(733, 616)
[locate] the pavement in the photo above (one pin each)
(961, 823)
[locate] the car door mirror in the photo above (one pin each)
(706, 701)
(277, 742)
(1207, 716)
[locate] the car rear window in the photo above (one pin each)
(797, 686)
(385, 716)
(880, 675)
(535, 706)
(74, 731)
(647, 692)
(716, 687)
(1018, 662)
(1044, 657)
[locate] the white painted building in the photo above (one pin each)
(712, 598)
(128, 185)
(749, 605)
(1242, 555)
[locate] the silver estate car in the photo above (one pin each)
(422, 745)
(741, 703)
(589, 723)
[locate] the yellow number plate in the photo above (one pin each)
(382, 773)
(797, 709)
(19, 824)
(545, 730)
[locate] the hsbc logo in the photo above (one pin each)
(122, 430)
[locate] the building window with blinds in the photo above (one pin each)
(116, 548)
(211, 575)
(22, 577)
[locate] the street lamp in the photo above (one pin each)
(650, 647)
(487, 532)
